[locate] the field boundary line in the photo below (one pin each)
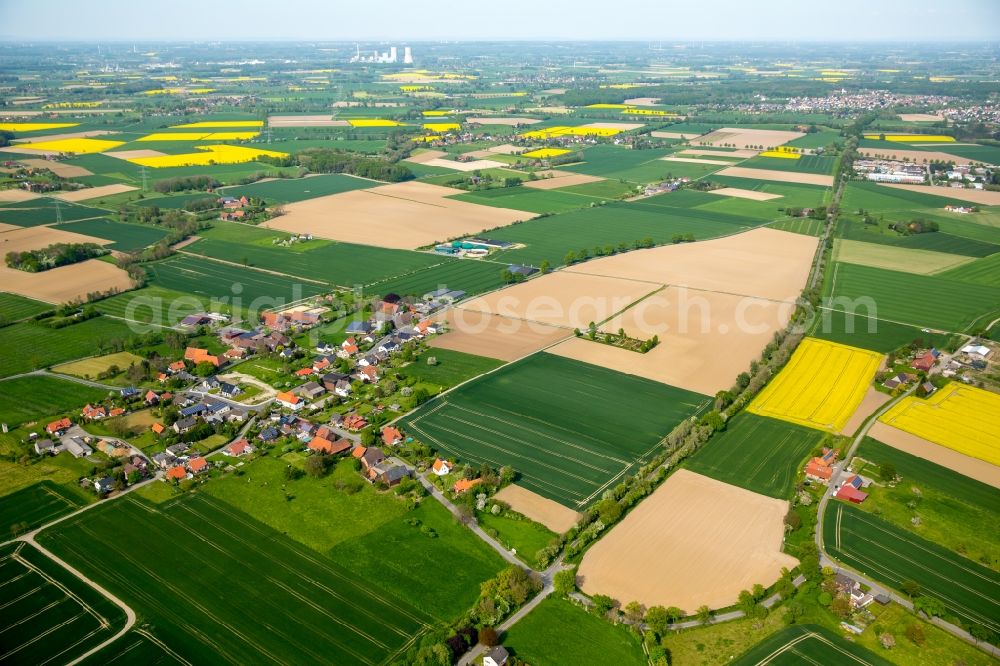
(188, 253)
(163, 646)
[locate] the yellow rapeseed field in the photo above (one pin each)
(786, 152)
(563, 130)
(428, 138)
(963, 418)
(442, 127)
(78, 146)
(33, 127)
(72, 105)
(435, 113)
(374, 122)
(543, 153)
(609, 106)
(218, 154)
(220, 124)
(822, 385)
(199, 136)
(913, 138)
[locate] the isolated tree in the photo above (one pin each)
(930, 606)
(564, 581)
(634, 612)
(887, 471)
(488, 636)
(602, 604)
(545, 267)
(704, 614)
(911, 588)
(658, 620)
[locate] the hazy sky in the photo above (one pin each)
(417, 20)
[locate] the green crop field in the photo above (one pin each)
(820, 139)
(984, 271)
(287, 190)
(808, 644)
(135, 648)
(918, 300)
(33, 506)
(876, 198)
(194, 567)
(473, 276)
(805, 164)
(955, 511)
(126, 237)
(892, 555)
(42, 346)
(409, 543)
(342, 264)
(46, 210)
(859, 330)
(173, 201)
(453, 367)
(526, 198)
(528, 415)
(799, 225)
(15, 308)
(940, 241)
(550, 238)
(618, 163)
(25, 399)
(152, 304)
(757, 453)
(228, 282)
(541, 638)
(49, 615)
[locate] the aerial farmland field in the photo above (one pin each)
(891, 555)
(287, 190)
(346, 620)
(46, 346)
(821, 385)
(50, 396)
(15, 308)
(214, 279)
(760, 454)
(124, 237)
(806, 644)
(46, 211)
(523, 416)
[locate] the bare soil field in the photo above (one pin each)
(869, 405)
(58, 168)
(695, 541)
(974, 468)
(779, 176)
(17, 195)
(494, 336)
(695, 160)
(95, 192)
(401, 215)
(745, 138)
(915, 156)
(643, 101)
(508, 149)
(920, 117)
(60, 137)
(510, 122)
(982, 197)
(571, 300)
(474, 165)
(549, 513)
(728, 153)
(693, 326)
(903, 259)
(132, 154)
(624, 127)
(425, 156)
(744, 194)
(673, 135)
(765, 263)
(305, 121)
(551, 179)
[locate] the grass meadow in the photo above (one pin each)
(528, 415)
(27, 399)
(126, 237)
(15, 308)
(41, 346)
(453, 367)
(806, 644)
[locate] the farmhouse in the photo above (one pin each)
(197, 355)
(197, 465)
(177, 473)
(391, 435)
(43, 446)
(463, 485)
(238, 448)
(926, 360)
(77, 447)
(852, 588)
(58, 427)
(851, 490)
(820, 468)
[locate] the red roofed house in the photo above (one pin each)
(238, 448)
(465, 484)
(426, 327)
(304, 372)
(158, 428)
(368, 373)
(820, 468)
(176, 366)
(441, 467)
(177, 473)
(198, 464)
(391, 435)
(355, 422)
(926, 361)
(56, 427)
(116, 411)
(851, 491)
(321, 445)
(151, 398)
(290, 401)
(92, 413)
(197, 355)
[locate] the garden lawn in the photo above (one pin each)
(519, 534)
(452, 368)
(757, 453)
(559, 632)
